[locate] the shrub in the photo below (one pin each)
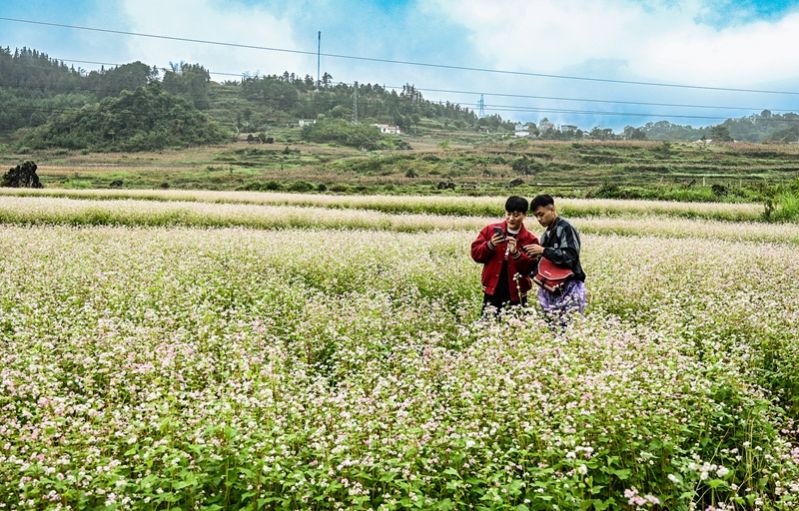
(525, 165)
(344, 133)
(785, 207)
(22, 176)
(300, 186)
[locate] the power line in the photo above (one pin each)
(497, 109)
(465, 106)
(494, 108)
(521, 109)
(496, 94)
(93, 62)
(587, 100)
(402, 62)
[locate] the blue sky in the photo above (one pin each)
(744, 44)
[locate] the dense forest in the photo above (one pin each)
(43, 93)
(43, 100)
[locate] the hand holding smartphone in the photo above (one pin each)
(499, 236)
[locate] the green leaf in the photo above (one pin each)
(621, 473)
(601, 505)
(184, 484)
(451, 471)
(716, 483)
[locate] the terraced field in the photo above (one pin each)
(483, 165)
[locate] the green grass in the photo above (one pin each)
(729, 173)
(786, 208)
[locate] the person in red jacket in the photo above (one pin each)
(506, 268)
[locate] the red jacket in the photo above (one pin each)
(492, 260)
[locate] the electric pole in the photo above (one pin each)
(481, 107)
(355, 104)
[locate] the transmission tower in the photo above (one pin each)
(481, 107)
(318, 56)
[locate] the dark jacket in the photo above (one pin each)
(494, 259)
(561, 244)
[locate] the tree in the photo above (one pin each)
(190, 81)
(343, 132)
(22, 176)
(602, 133)
(631, 133)
(126, 77)
(144, 119)
(720, 133)
(532, 129)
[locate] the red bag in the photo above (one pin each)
(550, 277)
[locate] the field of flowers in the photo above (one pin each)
(271, 364)
(439, 205)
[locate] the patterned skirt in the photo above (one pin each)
(571, 299)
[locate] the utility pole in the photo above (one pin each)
(318, 56)
(355, 104)
(481, 107)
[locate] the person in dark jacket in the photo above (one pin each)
(506, 267)
(560, 243)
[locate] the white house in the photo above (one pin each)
(521, 131)
(387, 129)
(306, 122)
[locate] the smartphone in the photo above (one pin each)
(498, 230)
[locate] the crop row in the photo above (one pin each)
(438, 205)
(47, 211)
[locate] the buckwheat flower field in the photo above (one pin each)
(248, 355)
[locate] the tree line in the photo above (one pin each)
(36, 89)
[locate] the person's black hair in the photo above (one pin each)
(541, 201)
(515, 203)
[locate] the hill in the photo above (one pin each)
(144, 119)
(34, 86)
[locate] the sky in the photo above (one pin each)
(711, 43)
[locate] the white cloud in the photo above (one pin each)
(216, 21)
(660, 41)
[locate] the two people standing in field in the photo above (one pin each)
(511, 255)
